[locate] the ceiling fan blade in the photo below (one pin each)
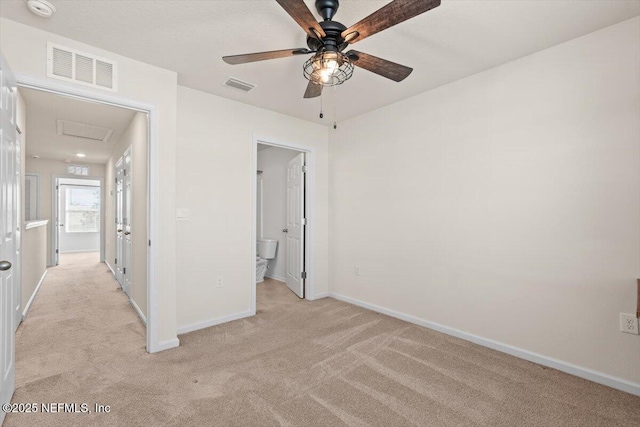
(303, 16)
(313, 90)
(262, 56)
(382, 67)
(393, 13)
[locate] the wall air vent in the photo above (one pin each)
(88, 70)
(80, 130)
(239, 84)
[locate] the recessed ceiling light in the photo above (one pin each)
(41, 8)
(35, 156)
(81, 155)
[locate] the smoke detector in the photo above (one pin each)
(41, 8)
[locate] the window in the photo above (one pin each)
(82, 209)
(77, 170)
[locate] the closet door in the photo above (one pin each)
(119, 220)
(126, 222)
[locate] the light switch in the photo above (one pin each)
(182, 213)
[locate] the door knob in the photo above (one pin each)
(5, 265)
(285, 230)
(126, 233)
(120, 231)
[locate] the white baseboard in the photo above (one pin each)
(278, 278)
(166, 345)
(110, 268)
(570, 368)
(321, 295)
(80, 251)
(213, 322)
(33, 296)
(138, 311)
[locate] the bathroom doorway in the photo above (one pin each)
(283, 219)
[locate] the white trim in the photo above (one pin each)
(310, 205)
(569, 368)
(138, 311)
(88, 251)
(73, 91)
(55, 181)
(111, 268)
(33, 224)
(167, 344)
(214, 322)
(276, 277)
(33, 296)
(321, 295)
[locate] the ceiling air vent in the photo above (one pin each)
(82, 68)
(80, 130)
(239, 84)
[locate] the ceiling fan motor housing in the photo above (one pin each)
(333, 41)
(327, 8)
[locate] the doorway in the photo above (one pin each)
(71, 148)
(283, 218)
(77, 212)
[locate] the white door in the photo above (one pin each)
(8, 225)
(119, 226)
(295, 225)
(126, 222)
(17, 267)
(59, 221)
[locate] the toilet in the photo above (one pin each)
(266, 251)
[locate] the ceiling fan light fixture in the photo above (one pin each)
(328, 68)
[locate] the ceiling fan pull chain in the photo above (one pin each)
(321, 115)
(335, 102)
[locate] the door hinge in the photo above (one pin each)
(124, 270)
(149, 242)
(116, 260)
(304, 169)
(57, 187)
(303, 275)
(56, 251)
(304, 221)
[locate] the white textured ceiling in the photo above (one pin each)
(43, 109)
(455, 40)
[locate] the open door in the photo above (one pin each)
(8, 226)
(295, 225)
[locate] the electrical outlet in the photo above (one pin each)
(628, 323)
(357, 270)
(219, 283)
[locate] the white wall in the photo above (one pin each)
(134, 137)
(214, 181)
(506, 204)
(34, 261)
(46, 169)
(272, 162)
(24, 48)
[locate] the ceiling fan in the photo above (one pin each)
(327, 40)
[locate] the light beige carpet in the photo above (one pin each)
(296, 363)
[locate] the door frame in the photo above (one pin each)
(55, 229)
(310, 226)
(28, 81)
